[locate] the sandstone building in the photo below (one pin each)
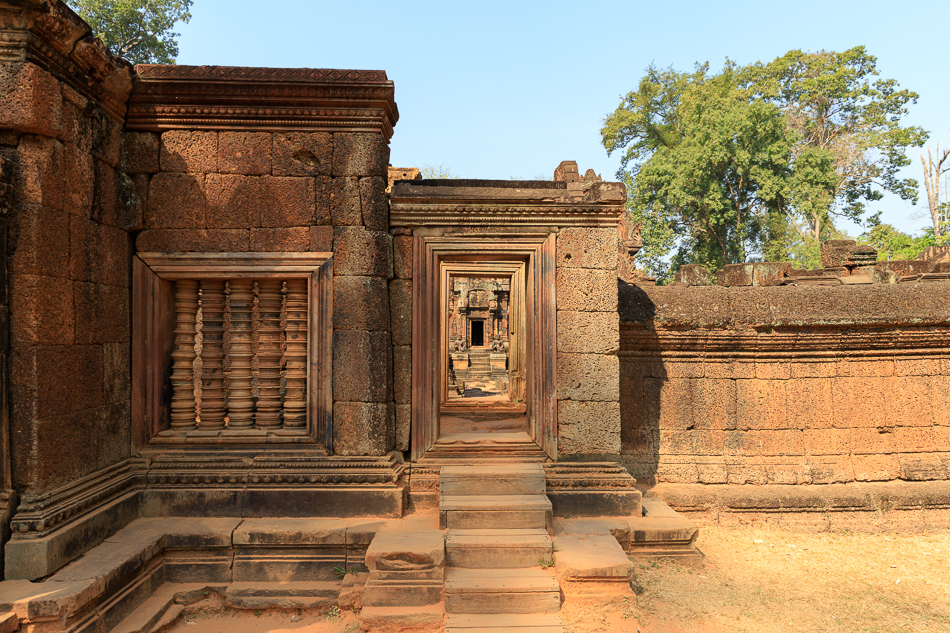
(233, 348)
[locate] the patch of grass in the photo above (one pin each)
(333, 614)
(547, 562)
(343, 571)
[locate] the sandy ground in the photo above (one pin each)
(756, 580)
(768, 580)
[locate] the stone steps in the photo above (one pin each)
(517, 623)
(492, 479)
(495, 511)
(520, 590)
(498, 518)
(497, 548)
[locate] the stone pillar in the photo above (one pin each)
(183, 406)
(240, 404)
(212, 354)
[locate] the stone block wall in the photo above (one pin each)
(68, 249)
(588, 338)
(786, 385)
(232, 191)
(400, 303)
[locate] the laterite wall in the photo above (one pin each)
(786, 385)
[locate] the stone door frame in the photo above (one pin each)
(514, 270)
(537, 252)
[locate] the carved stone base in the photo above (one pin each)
(581, 489)
(54, 528)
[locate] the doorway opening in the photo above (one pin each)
(483, 399)
(478, 334)
(483, 347)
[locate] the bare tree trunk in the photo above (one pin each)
(932, 172)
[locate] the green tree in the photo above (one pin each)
(892, 243)
(137, 30)
(707, 162)
(845, 119)
(756, 161)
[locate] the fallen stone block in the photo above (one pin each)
(406, 551)
(597, 557)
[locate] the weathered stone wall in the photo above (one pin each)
(400, 303)
(68, 247)
(231, 191)
(806, 385)
(588, 338)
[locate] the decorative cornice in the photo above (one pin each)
(411, 214)
(282, 471)
(49, 34)
(268, 99)
(638, 341)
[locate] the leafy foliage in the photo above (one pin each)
(138, 30)
(894, 244)
(755, 161)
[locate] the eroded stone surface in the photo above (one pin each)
(406, 551)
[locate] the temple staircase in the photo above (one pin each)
(479, 367)
(498, 550)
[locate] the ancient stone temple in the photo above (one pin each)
(240, 350)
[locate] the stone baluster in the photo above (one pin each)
(183, 405)
(295, 354)
(240, 403)
(212, 355)
(268, 353)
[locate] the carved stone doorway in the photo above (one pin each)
(484, 347)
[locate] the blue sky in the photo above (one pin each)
(509, 89)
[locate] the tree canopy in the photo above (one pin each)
(755, 161)
(137, 30)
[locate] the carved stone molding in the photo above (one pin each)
(269, 99)
(638, 341)
(39, 514)
(407, 215)
(50, 34)
(491, 203)
(587, 476)
(278, 470)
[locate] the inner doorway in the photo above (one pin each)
(483, 399)
(492, 395)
